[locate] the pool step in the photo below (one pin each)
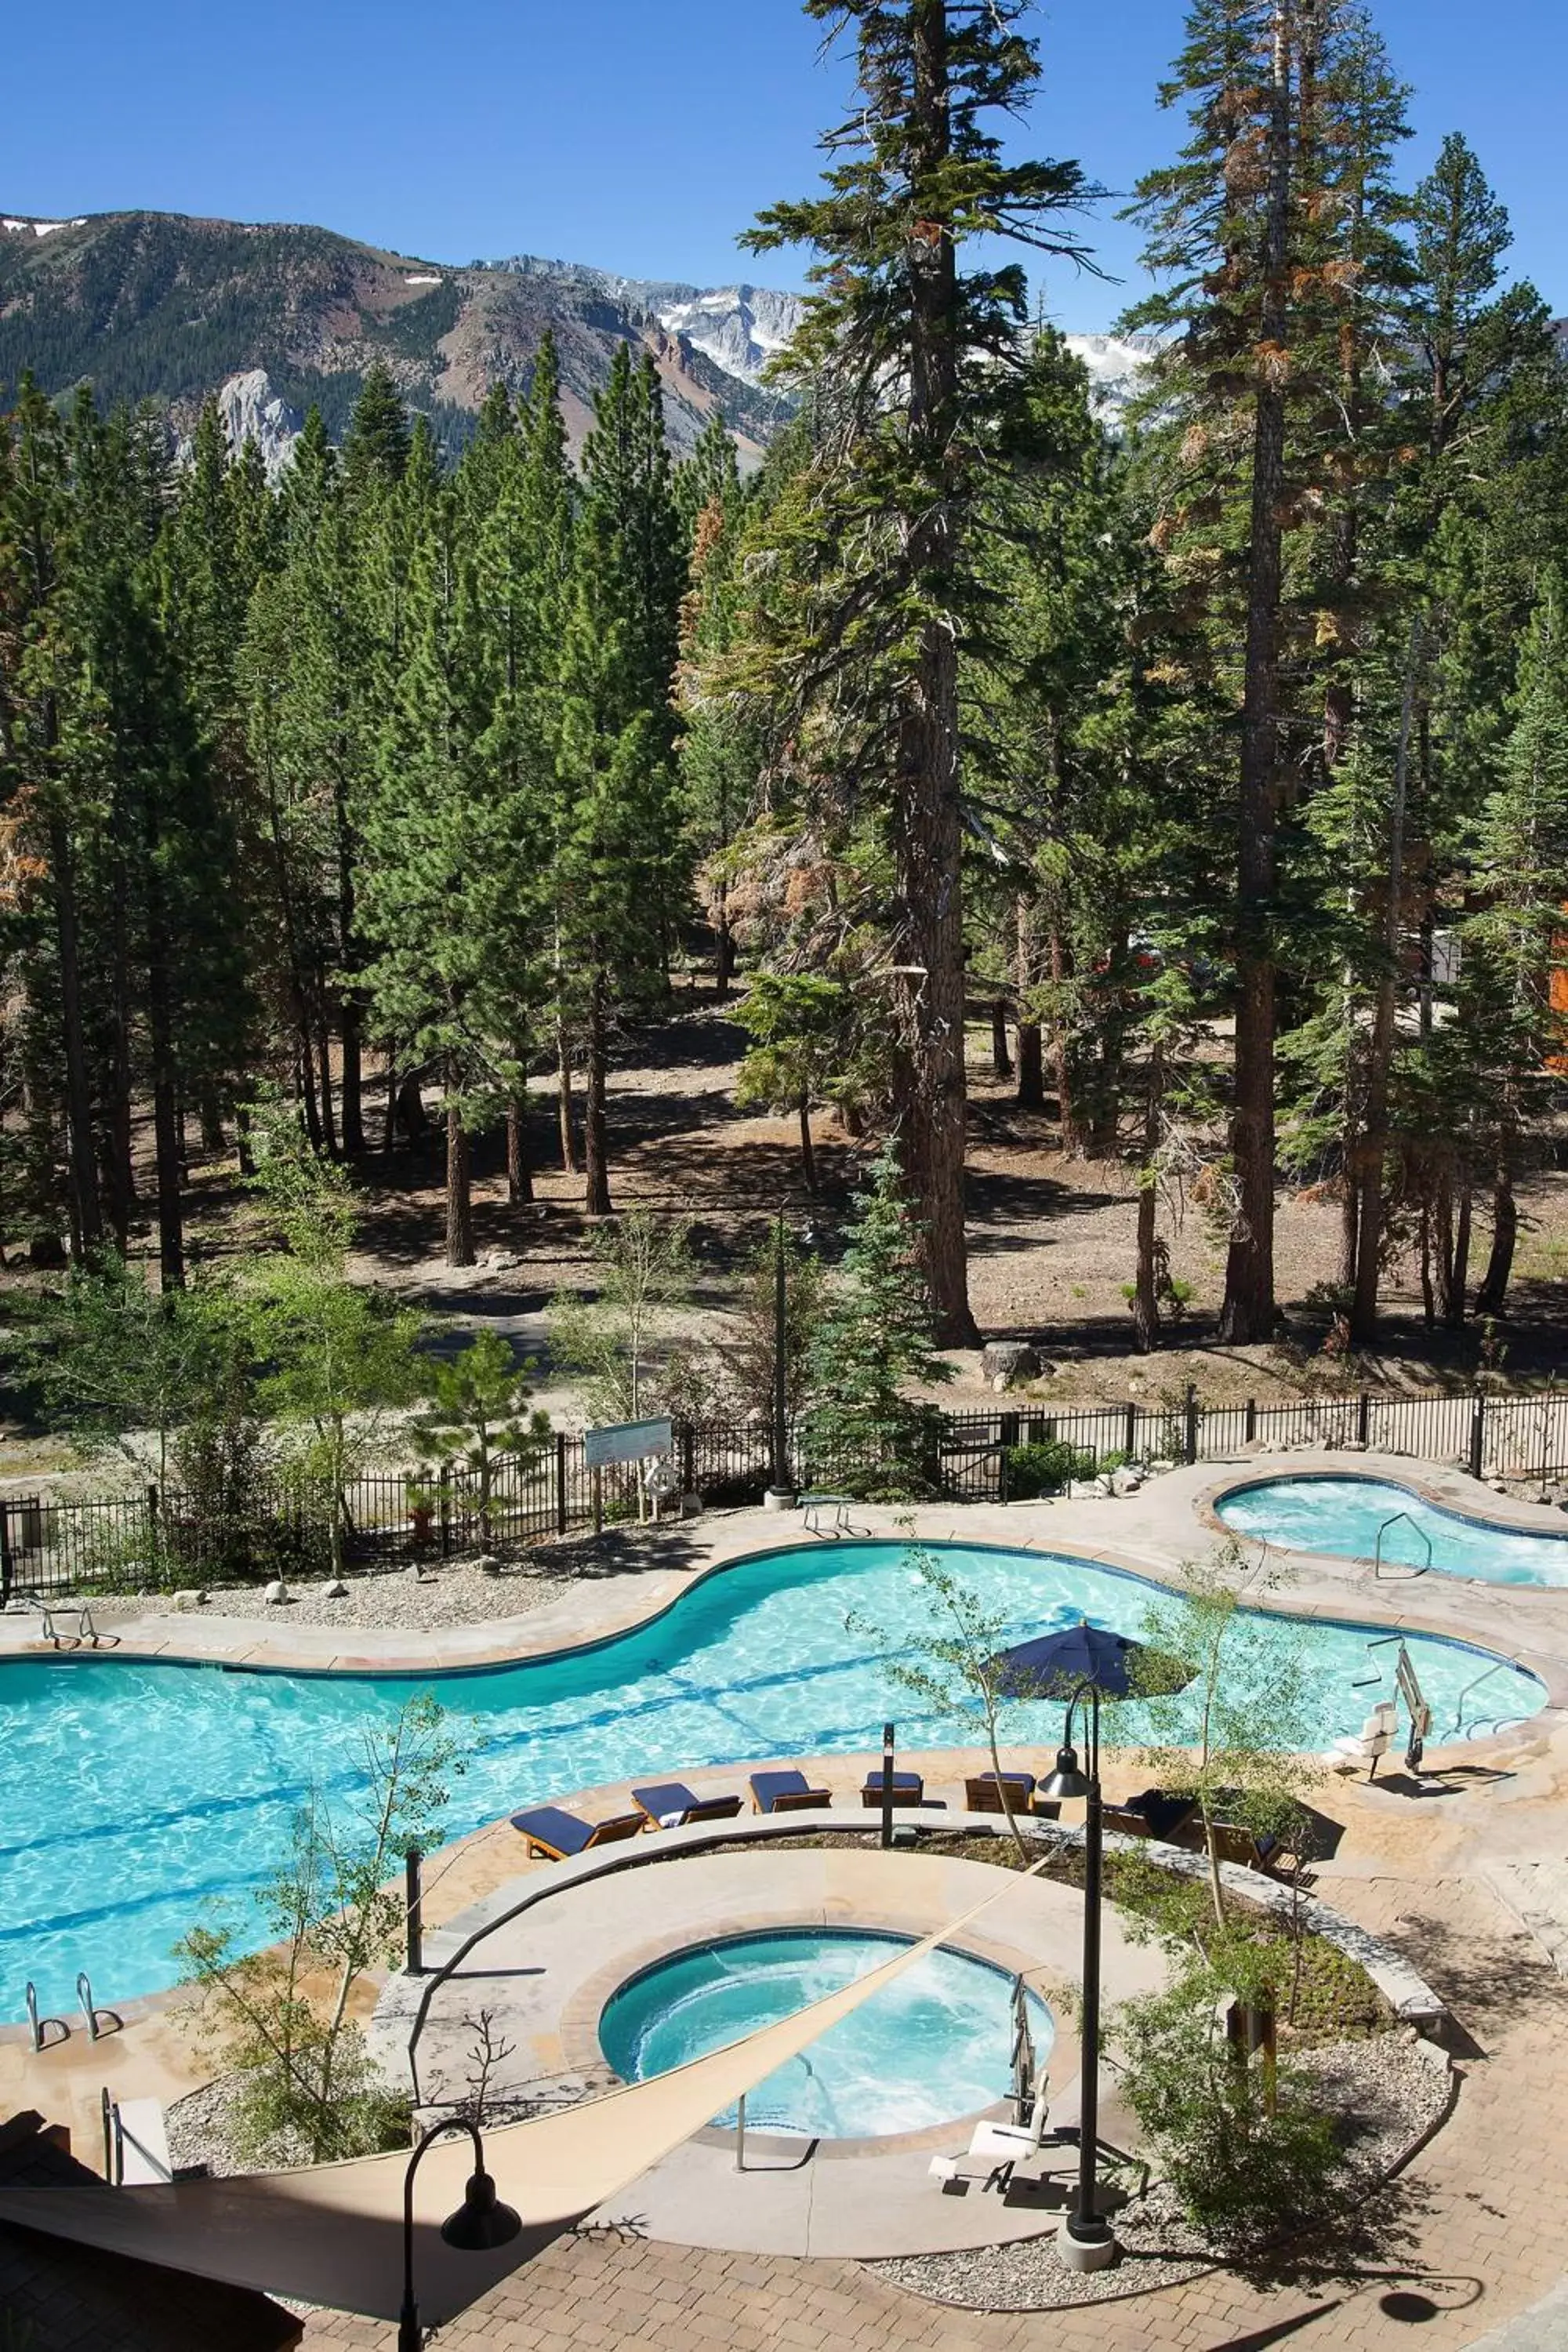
(1537, 1895)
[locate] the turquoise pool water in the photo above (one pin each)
(132, 1795)
(1343, 1517)
(934, 2044)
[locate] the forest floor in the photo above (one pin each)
(1051, 1239)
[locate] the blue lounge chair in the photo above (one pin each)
(670, 1805)
(787, 1792)
(554, 1833)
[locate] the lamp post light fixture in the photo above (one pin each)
(781, 1494)
(1086, 2241)
(480, 2223)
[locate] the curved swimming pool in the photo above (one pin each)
(927, 2048)
(133, 1794)
(1345, 1516)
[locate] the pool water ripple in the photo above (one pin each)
(128, 1788)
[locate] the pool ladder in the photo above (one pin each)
(97, 2021)
(1393, 1521)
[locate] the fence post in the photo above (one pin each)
(1190, 1442)
(413, 1900)
(1130, 1431)
(1249, 1427)
(7, 1569)
(1011, 1431)
(445, 1487)
(688, 1458)
(1363, 1418)
(561, 1482)
(1477, 1434)
(154, 1546)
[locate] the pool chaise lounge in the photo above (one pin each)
(670, 1805)
(551, 1832)
(787, 1793)
(982, 1793)
(909, 1789)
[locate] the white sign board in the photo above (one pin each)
(626, 1440)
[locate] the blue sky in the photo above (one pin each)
(643, 134)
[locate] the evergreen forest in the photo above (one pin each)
(1212, 759)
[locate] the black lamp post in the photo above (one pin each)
(480, 2222)
(1086, 2241)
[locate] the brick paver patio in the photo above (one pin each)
(1483, 2217)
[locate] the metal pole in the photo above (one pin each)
(741, 2133)
(781, 1364)
(1478, 1436)
(887, 1784)
(413, 1904)
(1085, 2224)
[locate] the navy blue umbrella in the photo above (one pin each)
(1053, 1665)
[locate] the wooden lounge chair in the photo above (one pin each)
(1164, 1815)
(983, 1792)
(1124, 1821)
(1257, 1849)
(670, 1805)
(787, 1792)
(908, 1789)
(552, 1833)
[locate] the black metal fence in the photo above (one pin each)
(170, 1538)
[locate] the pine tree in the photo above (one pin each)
(876, 1338)
(616, 819)
(913, 362)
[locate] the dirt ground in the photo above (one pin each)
(1051, 1239)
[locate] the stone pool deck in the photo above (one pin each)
(1440, 1868)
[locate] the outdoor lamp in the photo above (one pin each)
(1066, 1780)
(480, 2223)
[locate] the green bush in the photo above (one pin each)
(1045, 1468)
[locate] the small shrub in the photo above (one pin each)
(1045, 1468)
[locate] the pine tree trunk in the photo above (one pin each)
(1248, 1313)
(926, 821)
(1145, 1298)
(1492, 1295)
(1030, 1094)
(120, 1160)
(459, 1191)
(86, 1218)
(168, 1140)
(1428, 1302)
(214, 1143)
(519, 1176)
(1380, 1053)
(1458, 1262)
(595, 1146)
(389, 1125)
(350, 1014)
(1069, 1125)
(328, 1128)
(410, 1111)
(807, 1153)
(1349, 1212)
(563, 1101)
(351, 1088)
(1001, 1059)
(723, 947)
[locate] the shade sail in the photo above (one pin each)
(332, 2234)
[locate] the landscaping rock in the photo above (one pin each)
(1127, 1480)
(190, 1596)
(1087, 1490)
(334, 1590)
(277, 1592)
(487, 1564)
(1006, 1362)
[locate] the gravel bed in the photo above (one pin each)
(457, 1592)
(1387, 2091)
(200, 2132)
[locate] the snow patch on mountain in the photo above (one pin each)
(40, 227)
(1115, 364)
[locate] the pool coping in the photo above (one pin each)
(523, 1641)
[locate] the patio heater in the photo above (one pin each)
(480, 2223)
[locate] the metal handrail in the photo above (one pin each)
(1393, 1521)
(39, 2026)
(99, 2021)
(1373, 1681)
(1495, 1668)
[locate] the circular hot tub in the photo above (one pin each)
(934, 2044)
